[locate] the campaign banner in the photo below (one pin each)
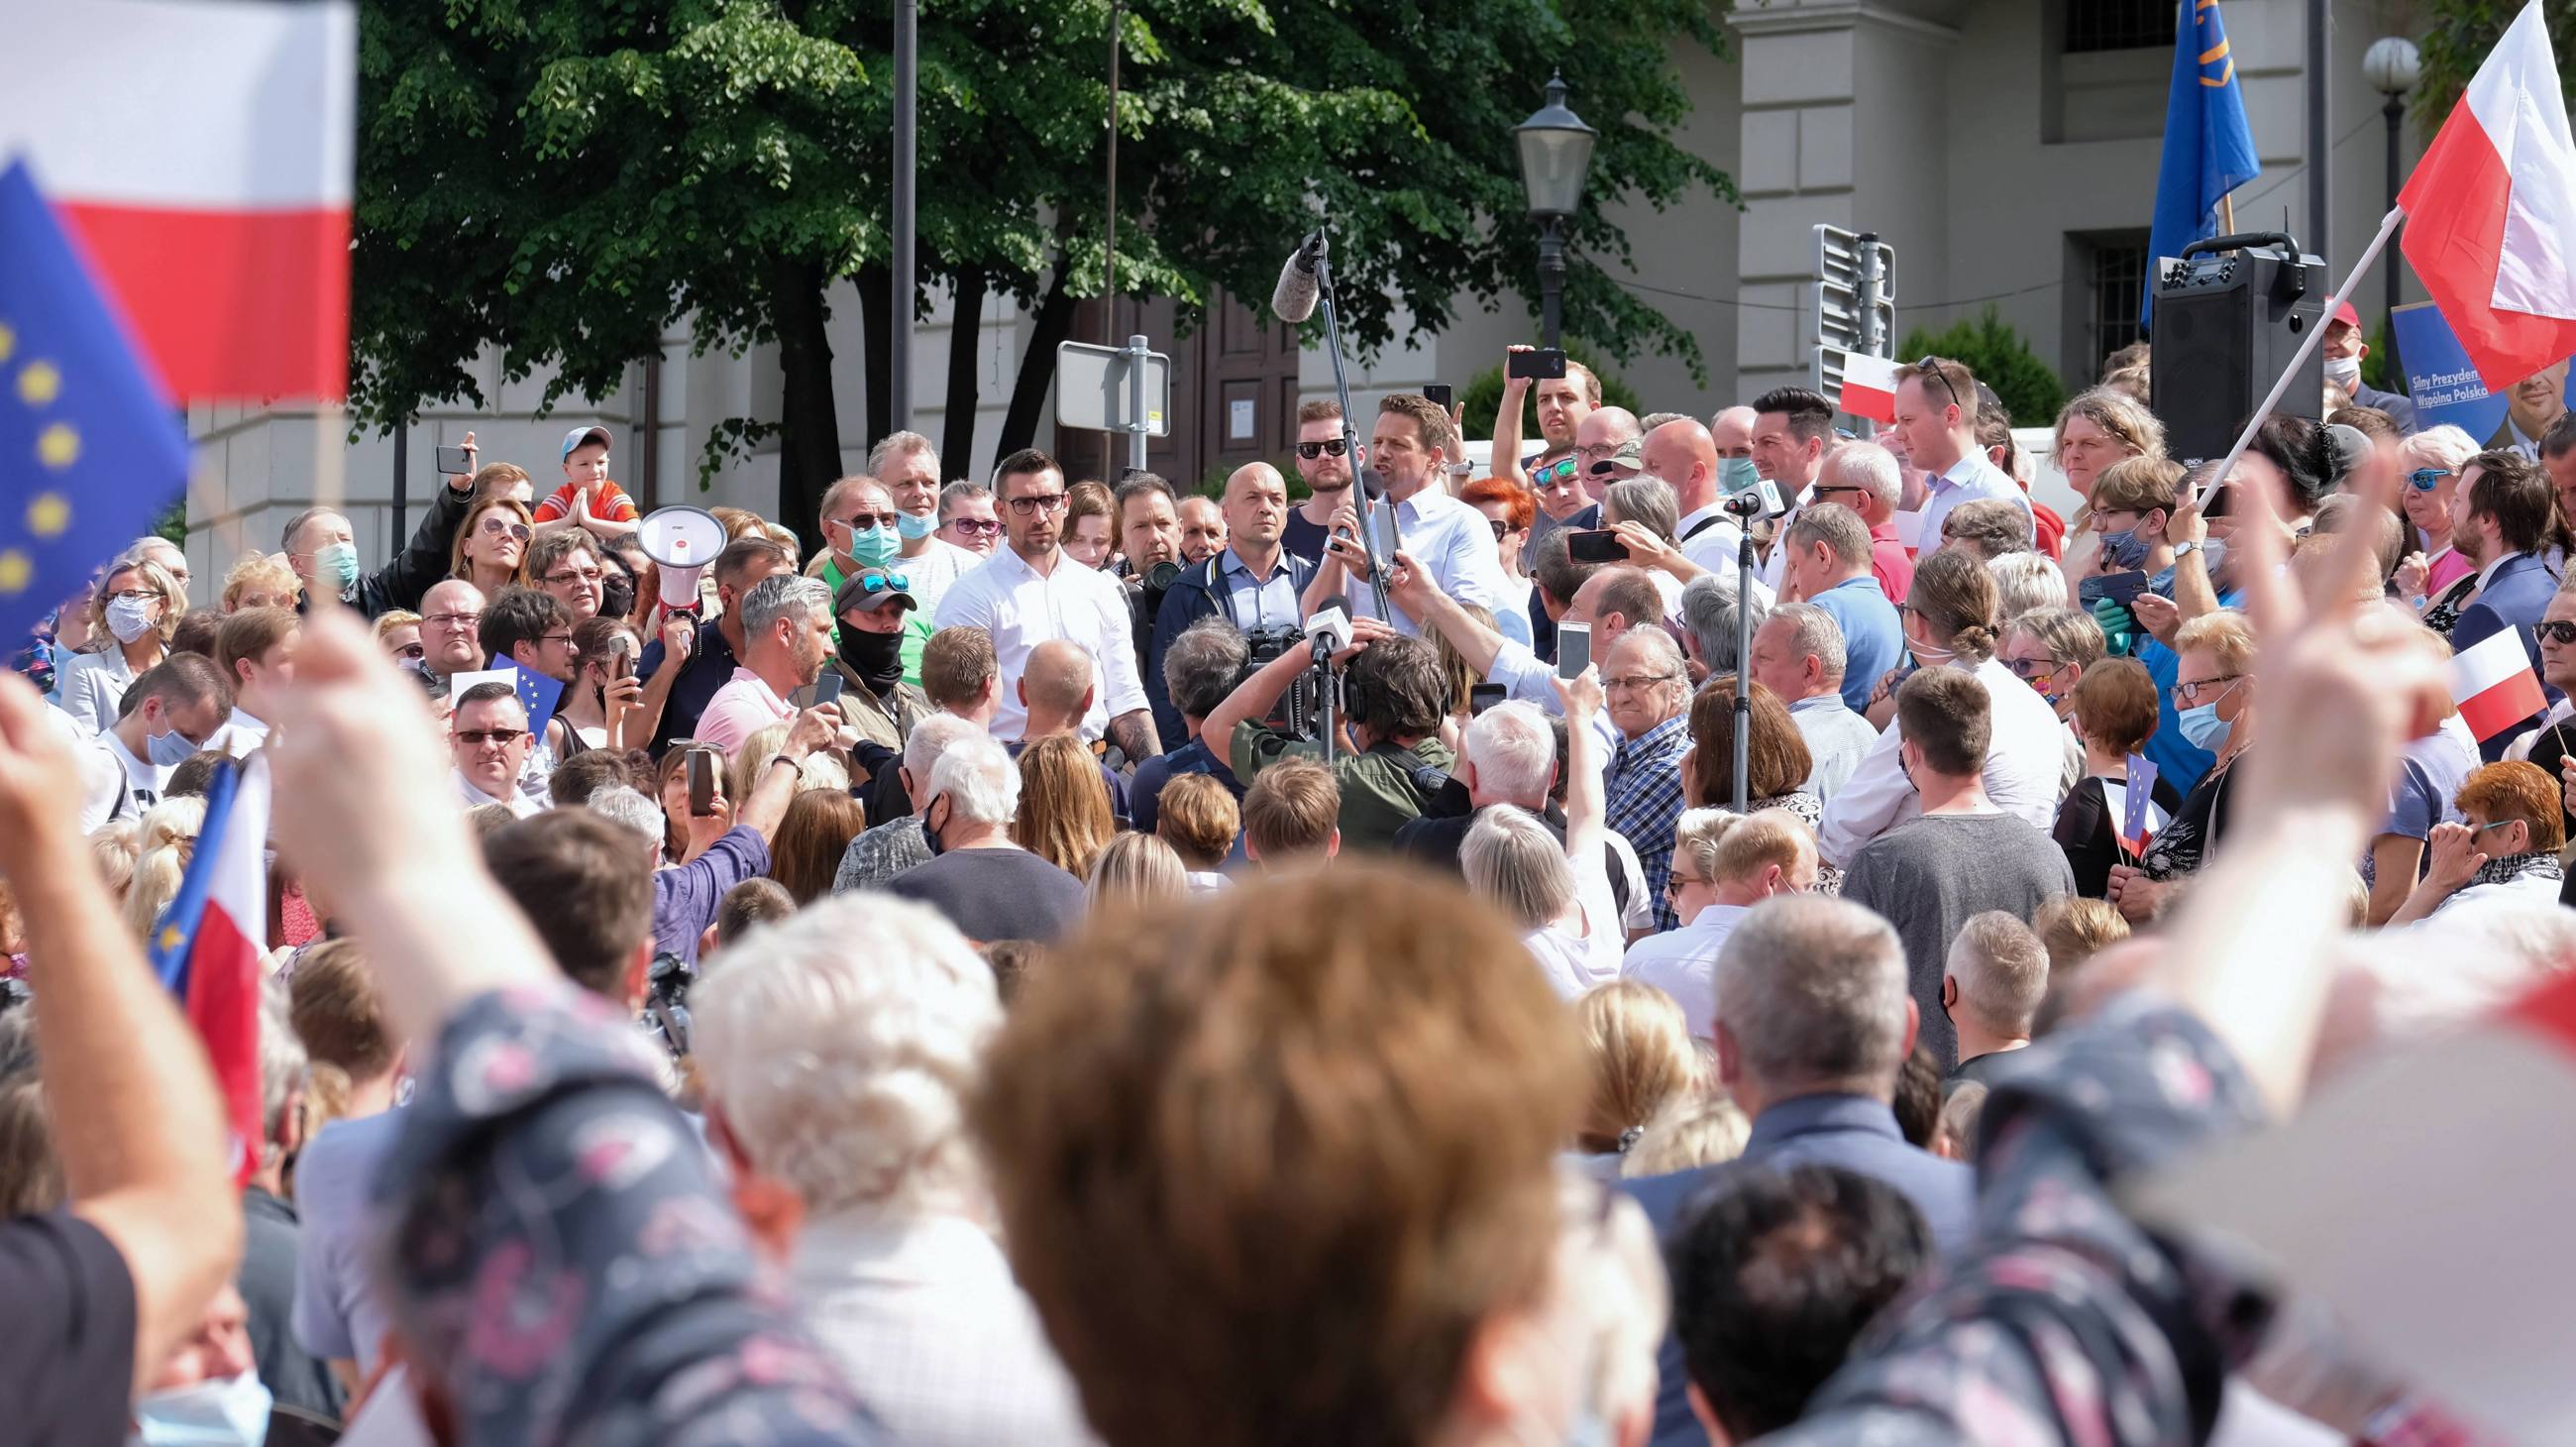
(2444, 385)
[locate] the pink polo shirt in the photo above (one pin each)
(743, 707)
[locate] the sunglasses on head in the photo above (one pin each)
(2425, 479)
(1332, 447)
(1931, 367)
(876, 581)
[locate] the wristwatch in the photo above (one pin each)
(2184, 550)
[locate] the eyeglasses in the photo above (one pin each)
(1556, 473)
(858, 520)
(975, 526)
(1499, 526)
(413, 651)
(2425, 479)
(576, 575)
(495, 528)
(1931, 367)
(2188, 693)
(1638, 682)
(1823, 490)
(135, 595)
(1036, 503)
(2556, 630)
(454, 620)
(1334, 447)
(480, 737)
(2499, 824)
(1674, 884)
(563, 638)
(2030, 670)
(876, 581)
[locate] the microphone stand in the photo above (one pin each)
(1743, 665)
(1326, 686)
(1350, 439)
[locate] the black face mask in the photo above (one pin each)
(616, 594)
(877, 658)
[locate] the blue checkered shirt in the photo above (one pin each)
(1645, 793)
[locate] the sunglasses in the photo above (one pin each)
(1312, 450)
(975, 526)
(876, 581)
(858, 520)
(2425, 479)
(413, 651)
(480, 737)
(1499, 526)
(2557, 630)
(1556, 474)
(495, 528)
(1931, 367)
(2029, 669)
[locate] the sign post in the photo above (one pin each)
(1115, 389)
(1855, 296)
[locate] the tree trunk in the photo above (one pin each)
(965, 333)
(877, 320)
(1037, 367)
(809, 426)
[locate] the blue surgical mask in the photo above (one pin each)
(168, 750)
(1735, 474)
(873, 547)
(2202, 726)
(228, 1413)
(914, 529)
(338, 563)
(2122, 550)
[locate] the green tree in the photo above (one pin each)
(2029, 388)
(2458, 34)
(1484, 395)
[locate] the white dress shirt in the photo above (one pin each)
(1450, 541)
(932, 1331)
(1966, 480)
(1837, 740)
(241, 735)
(518, 803)
(1683, 964)
(1715, 547)
(2024, 761)
(1022, 608)
(935, 572)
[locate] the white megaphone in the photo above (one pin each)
(682, 542)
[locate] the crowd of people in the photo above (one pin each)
(992, 980)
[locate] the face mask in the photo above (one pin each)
(1735, 474)
(339, 564)
(168, 750)
(2203, 727)
(930, 828)
(2122, 549)
(2344, 372)
(877, 658)
(616, 595)
(209, 1414)
(872, 547)
(130, 618)
(914, 529)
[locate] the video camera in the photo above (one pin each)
(666, 1003)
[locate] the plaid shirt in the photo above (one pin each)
(1645, 793)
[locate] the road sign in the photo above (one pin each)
(1094, 388)
(1855, 302)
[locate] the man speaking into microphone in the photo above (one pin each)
(1408, 463)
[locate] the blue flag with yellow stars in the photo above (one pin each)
(538, 694)
(91, 450)
(2209, 148)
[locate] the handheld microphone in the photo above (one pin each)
(1294, 298)
(1329, 630)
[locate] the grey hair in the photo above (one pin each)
(1812, 630)
(1645, 500)
(783, 596)
(2445, 446)
(979, 781)
(1201, 666)
(2069, 634)
(1869, 465)
(2002, 970)
(1514, 750)
(1815, 991)
(1512, 859)
(931, 738)
(619, 804)
(294, 525)
(283, 1068)
(2026, 580)
(900, 444)
(841, 1045)
(1708, 611)
(957, 492)
(1837, 527)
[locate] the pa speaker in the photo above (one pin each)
(2226, 322)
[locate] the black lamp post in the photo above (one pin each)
(2393, 66)
(1556, 156)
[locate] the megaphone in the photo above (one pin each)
(682, 542)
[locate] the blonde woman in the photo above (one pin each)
(1642, 1061)
(261, 580)
(1137, 869)
(163, 845)
(131, 619)
(491, 549)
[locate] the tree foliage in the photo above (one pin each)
(572, 180)
(2029, 388)
(1484, 395)
(2457, 36)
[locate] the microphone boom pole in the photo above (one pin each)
(1350, 439)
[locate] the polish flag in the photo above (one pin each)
(1869, 387)
(2493, 685)
(208, 944)
(203, 153)
(2491, 212)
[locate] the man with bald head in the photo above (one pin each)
(1252, 582)
(1733, 429)
(1056, 690)
(451, 622)
(1685, 455)
(1573, 500)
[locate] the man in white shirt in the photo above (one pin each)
(255, 650)
(1450, 541)
(908, 466)
(169, 712)
(1724, 863)
(1798, 655)
(1791, 428)
(489, 733)
(1028, 593)
(1936, 414)
(1684, 455)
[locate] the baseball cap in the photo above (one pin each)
(1630, 458)
(579, 435)
(2349, 315)
(871, 589)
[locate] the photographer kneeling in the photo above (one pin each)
(1395, 694)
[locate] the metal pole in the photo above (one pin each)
(402, 490)
(1136, 402)
(2320, 143)
(1871, 343)
(1551, 279)
(907, 95)
(1360, 484)
(1744, 669)
(2395, 111)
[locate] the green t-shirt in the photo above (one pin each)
(1379, 790)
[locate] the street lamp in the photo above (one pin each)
(1556, 155)
(2392, 66)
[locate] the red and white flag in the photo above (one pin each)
(2493, 685)
(1869, 387)
(204, 153)
(208, 944)
(2491, 212)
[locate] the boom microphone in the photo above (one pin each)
(1294, 298)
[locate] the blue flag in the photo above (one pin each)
(539, 695)
(2209, 150)
(91, 450)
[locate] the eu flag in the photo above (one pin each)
(2209, 150)
(91, 450)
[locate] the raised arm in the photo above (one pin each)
(1587, 807)
(135, 1116)
(1507, 420)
